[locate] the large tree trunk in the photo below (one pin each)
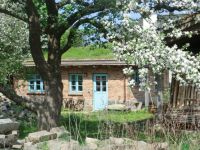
(49, 113)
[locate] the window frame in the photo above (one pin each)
(35, 78)
(135, 76)
(77, 85)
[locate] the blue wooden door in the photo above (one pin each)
(100, 91)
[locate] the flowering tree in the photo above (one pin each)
(143, 46)
(12, 48)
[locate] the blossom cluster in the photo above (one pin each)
(13, 46)
(146, 46)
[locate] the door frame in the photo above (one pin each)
(93, 79)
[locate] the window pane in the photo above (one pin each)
(136, 77)
(103, 78)
(80, 82)
(38, 82)
(73, 77)
(98, 83)
(73, 88)
(38, 87)
(98, 78)
(80, 88)
(104, 88)
(31, 82)
(104, 83)
(80, 78)
(73, 83)
(98, 88)
(31, 86)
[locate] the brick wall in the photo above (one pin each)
(118, 89)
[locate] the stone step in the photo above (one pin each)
(7, 125)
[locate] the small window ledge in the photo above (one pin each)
(36, 93)
(75, 94)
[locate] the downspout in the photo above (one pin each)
(124, 88)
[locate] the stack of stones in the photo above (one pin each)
(8, 133)
(8, 109)
(5, 106)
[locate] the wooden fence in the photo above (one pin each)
(184, 95)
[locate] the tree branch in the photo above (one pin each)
(80, 14)
(69, 42)
(35, 40)
(19, 100)
(166, 6)
(52, 15)
(65, 2)
(91, 21)
(6, 12)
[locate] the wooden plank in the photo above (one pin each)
(176, 104)
(175, 94)
(172, 92)
(182, 96)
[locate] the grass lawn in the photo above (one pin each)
(100, 124)
(113, 116)
(91, 124)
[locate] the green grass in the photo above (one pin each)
(113, 116)
(82, 124)
(102, 124)
(87, 53)
(27, 127)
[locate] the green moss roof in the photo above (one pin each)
(88, 53)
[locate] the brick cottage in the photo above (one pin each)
(98, 82)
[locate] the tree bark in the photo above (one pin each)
(49, 113)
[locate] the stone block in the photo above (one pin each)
(117, 141)
(60, 131)
(41, 136)
(10, 139)
(15, 132)
(91, 140)
(2, 140)
(117, 107)
(17, 146)
(7, 125)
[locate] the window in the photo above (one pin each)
(136, 77)
(35, 84)
(76, 83)
(101, 83)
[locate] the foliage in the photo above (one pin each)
(146, 44)
(13, 46)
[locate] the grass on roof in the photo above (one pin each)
(88, 53)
